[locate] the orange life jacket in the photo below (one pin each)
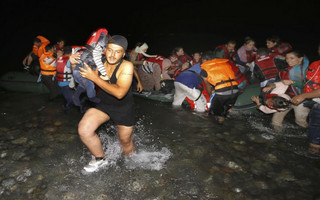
(220, 73)
(240, 77)
(47, 64)
(312, 77)
(40, 50)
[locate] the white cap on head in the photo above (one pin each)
(140, 49)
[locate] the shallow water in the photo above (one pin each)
(179, 155)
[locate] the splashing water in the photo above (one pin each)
(148, 160)
(147, 155)
(269, 133)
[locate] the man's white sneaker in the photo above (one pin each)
(95, 164)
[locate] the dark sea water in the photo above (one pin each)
(179, 155)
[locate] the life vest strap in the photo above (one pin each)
(46, 70)
(269, 68)
(309, 82)
(222, 82)
(228, 92)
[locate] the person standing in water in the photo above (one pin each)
(116, 102)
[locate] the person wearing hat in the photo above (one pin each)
(116, 102)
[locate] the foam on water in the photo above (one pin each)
(267, 136)
(261, 127)
(148, 154)
(304, 151)
(269, 133)
(150, 160)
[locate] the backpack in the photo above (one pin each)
(95, 46)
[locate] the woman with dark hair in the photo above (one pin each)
(311, 94)
(296, 73)
(245, 57)
(277, 47)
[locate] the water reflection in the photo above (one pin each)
(180, 155)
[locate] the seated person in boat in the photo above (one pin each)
(185, 66)
(267, 66)
(277, 47)
(59, 46)
(245, 57)
(154, 74)
(226, 50)
(137, 56)
(196, 58)
(31, 61)
(178, 58)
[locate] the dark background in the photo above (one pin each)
(194, 25)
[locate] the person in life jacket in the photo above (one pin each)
(183, 68)
(278, 48)
(196, 58)
(92, 55)
(226, 50)
(147, 74)
(245, 57)
(267, 67)
(312, 77)
(312, 94)
(188, 86)
(48, 71)
(296, 72)
(219, 77)
(31, 61)
(178, 57)
(65, 77)
(274, 100)
(314, 117)
(202, 88)
(59, 46)
(240, 77)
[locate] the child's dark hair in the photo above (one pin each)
(274, 38)
(280, 102)
(67, 50)
(49, 46)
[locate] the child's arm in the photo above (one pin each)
(261, 107)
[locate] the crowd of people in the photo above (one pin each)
(104, 73)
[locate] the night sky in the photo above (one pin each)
(195, 25)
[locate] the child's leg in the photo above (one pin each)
(91, 92)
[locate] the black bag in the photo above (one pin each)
(167, 86)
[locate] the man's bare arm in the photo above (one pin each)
(124, 81)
